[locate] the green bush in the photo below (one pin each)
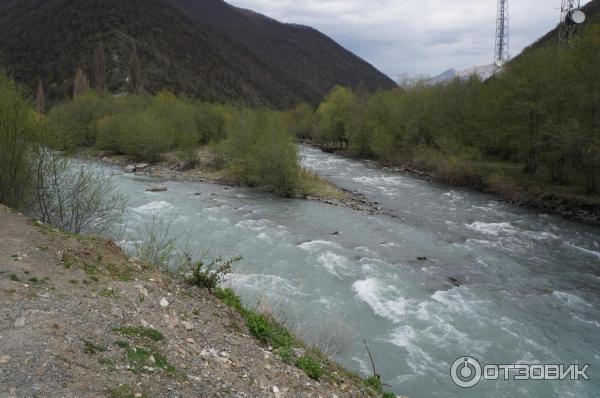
(209, 275)
(74, 121)
(143, 135)
(311, 366)
(260, 152)
(17, 130)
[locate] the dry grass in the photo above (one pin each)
(313, 185)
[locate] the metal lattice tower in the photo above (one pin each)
(568, 24)
(502, 51)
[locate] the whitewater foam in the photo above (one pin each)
(383, 299)
(334, 263)
(493, 229)
(317, 245)
(154, 207)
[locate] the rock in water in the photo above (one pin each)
(141, 166)
(130, 168)
(455, 282)
(156, 189)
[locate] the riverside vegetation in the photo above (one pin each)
(253, 147)
(535, 126)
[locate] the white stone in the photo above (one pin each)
(164, 303)
(20, 322)
(187, 325)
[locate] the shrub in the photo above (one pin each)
(143, 135)
(311, 366)
(209, 275)
(17, 128)
(73, 197)
(260, 152)
(74, 121)
(229, 297)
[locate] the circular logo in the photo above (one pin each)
(465, 372)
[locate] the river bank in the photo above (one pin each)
(81, 319)
(172, 168)
(534, 196)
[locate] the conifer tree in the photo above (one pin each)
(100, 69)
(40, 97)
(81, 83)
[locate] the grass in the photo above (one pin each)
(35, 281)
(140, 332)
(313, 185)
(91, 348)
(141, 357)
(311, 366)
(268, 331)
(122, 344)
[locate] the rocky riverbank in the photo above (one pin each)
(79, 319)
(567, 206)
(180, 171)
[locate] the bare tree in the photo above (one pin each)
(73, 197)
(40, 98)
(100, 69)
(81, 83)
(135, 72)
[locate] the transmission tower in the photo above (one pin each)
(571, 17)
(502, 51)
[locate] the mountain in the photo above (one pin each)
(204, 49)
(483, 72)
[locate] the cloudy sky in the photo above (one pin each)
(416, 37)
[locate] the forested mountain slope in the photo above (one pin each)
(200, 48)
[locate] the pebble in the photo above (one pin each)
(20, 322)
(4, 359)
(137, 395)
(187, 325)
(164, 303)
(191, 341)
(276, 391)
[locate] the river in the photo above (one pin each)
(529, 282)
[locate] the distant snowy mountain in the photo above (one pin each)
(483, 72)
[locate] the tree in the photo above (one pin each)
(81, 83)
(135, 73)
(17, 127)
(100, 69)
(335, 113)
(40, 98)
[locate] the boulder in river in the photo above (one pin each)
(141, 166)
(156, 189)
(455, 282)
(422, 258)
(130, 168)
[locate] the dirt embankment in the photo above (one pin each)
(78, 318)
